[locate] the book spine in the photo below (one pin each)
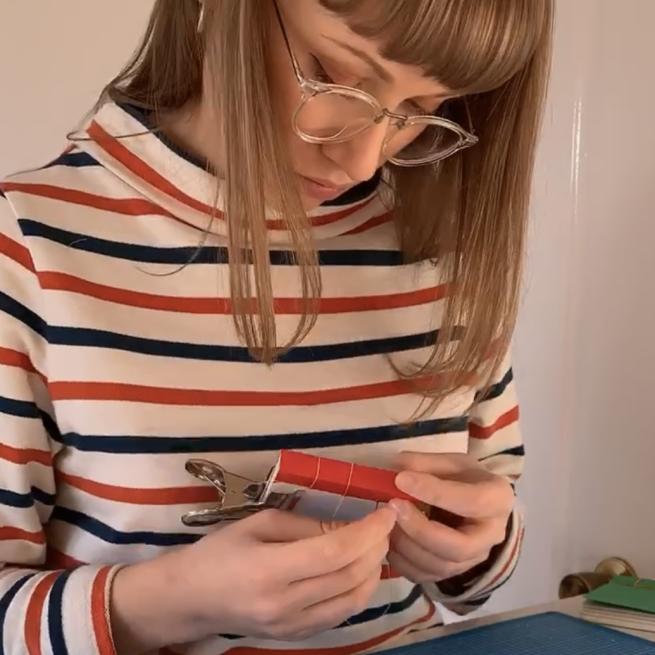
(338, 477)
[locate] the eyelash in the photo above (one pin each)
(321, 75)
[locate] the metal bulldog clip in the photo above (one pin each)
(238, 496)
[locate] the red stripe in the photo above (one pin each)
(325, 219)
(510, 559)
(484, 432)
(214, 398)
(371, 223)
(20, 254)
(348, 649)
(25, 455)
(10, 357)
(57, 560)
(141, 496)
(99, 613)
(9, 533)
(34, 612)
(127, 206)
(137, 166)
(223, 306)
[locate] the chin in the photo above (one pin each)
(309, 203)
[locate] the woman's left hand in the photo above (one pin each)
(425, 550)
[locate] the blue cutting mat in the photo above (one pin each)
(541, 634)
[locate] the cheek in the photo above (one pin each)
(286, 97)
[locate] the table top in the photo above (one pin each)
(570, 606)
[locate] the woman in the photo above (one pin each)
(287, 225)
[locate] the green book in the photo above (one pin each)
(624, 591)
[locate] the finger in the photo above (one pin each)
(334, 550)
(305, 593)
(415, 573)
(407, 569)
(457, 545)
(486, 498)
(335, 611)
(445, 464)
(278, 526)
(429, 561)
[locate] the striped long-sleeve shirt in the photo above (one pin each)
(118, 362)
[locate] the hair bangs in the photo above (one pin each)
(468, 46)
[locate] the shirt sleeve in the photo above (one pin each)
(495, 440)
(41, 611)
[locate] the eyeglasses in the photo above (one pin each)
(333, 113)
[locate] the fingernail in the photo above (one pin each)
(406, 481)
(400, 508)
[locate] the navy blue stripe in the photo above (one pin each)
(497, 389)
(111, 535)
(373, 613)
(185, 444)
(74, 336)
(5, 602)
(26, 316)
(55, 619)
(193, 255)
(478, 602)
(25, 501)
(88, 337)
(368, 615)
(142, 116)
(518, 451)
(50, 426)
(26, 409)
(75, 160)
(21, 408)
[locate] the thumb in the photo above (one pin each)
(279, 526)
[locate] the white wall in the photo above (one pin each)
(584, 351)
(57, 55)
(613, 501)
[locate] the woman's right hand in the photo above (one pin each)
(273, 575)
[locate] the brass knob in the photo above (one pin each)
(576, 584)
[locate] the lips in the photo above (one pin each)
(321, 189)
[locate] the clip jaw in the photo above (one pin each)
(238, 496)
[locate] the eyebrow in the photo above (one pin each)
(381, 71)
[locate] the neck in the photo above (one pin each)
(193, 127)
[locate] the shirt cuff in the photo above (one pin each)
(468, 591)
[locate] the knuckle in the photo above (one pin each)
(362, 596)
(268, 517)
(331, 552)
(450, 570)
(478, 504)
(284, 633)
(466, 553)
(353, 575)
(266, 614)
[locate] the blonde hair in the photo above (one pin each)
(469, 212)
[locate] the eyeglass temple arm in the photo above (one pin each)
(294, 61)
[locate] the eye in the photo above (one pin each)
(412, 108)
(319, 73)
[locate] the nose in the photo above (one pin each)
(360, 156)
